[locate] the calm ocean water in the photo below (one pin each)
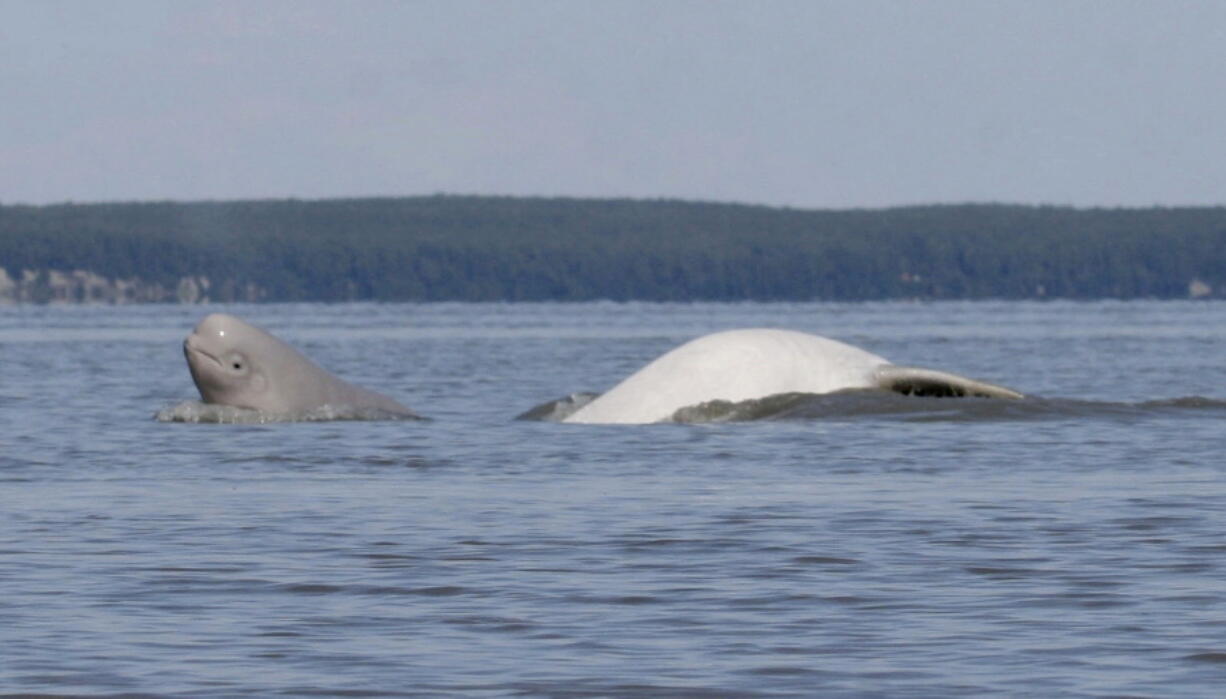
(1073, 546)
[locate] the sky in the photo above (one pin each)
(806, 104)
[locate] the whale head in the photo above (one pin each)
(228, 360)
(235, 363)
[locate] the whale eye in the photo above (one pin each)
(236, 363)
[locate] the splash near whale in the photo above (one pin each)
(736, 366)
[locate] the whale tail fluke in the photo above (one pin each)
(912, 381)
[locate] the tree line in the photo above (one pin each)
(507, 248)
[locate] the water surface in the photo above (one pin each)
(1069, 547)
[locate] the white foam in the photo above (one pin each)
(198, 412)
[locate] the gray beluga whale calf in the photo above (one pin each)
(237, 364)
(740, 365)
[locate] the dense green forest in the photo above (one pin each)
(504, 248)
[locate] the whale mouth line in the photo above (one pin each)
(193, 348)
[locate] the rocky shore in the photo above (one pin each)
(54, 286)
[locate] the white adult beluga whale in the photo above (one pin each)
(237, 364)
(741, 365)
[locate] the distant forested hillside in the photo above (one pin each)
(502, 248)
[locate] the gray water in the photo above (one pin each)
(1071, 547)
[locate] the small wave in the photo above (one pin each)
(558, 410)
(1191, 402)
(855, 404)
(770, 407)
(197, 412)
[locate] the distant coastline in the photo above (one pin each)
(469, 248)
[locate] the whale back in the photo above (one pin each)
(235, 363)
(734, 365)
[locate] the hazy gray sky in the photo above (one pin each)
(806, 104)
